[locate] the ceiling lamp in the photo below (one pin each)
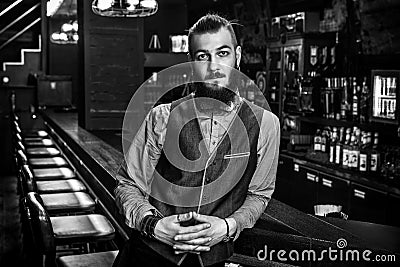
(67, 35)
(125, 8)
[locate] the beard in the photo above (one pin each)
(214, 91)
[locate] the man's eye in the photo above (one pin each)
(223, 53)
(202, 57)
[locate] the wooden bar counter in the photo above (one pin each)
(97, 156)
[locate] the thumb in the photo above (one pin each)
(184, 217)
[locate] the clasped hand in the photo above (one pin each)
(195, 238)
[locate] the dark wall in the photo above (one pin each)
(380, 26)
(63, 59)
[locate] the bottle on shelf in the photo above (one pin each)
(332, 146)
(344, 105)
(364, 157)
(323, 141)
(346, 149)
(339, 147)
(375, 156)
(364, 101)
(317, 141)
(355, 103)
(355, 149)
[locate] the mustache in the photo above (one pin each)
(214, 75)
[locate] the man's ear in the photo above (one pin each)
(238, 51)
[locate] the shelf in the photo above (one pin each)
(370, 126)
(162, 60)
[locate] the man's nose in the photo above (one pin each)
(213, 63)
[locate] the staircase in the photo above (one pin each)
(20, 40)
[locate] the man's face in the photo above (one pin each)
(216, 56)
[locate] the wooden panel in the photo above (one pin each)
(111, 67)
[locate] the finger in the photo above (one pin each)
(201, 217)
(190, 236)
(204, 241)
(183, 217)
(193, 229)
(190, 248)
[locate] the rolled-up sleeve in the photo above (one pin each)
(262, 184)
(135, 174)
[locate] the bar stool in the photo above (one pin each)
(49, 232)
(99, 259)
(46, 162)
(57, 202)
(36, 152)
(26, 134)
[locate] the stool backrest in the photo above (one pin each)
(42, 230)
(21, 158)
(28, 183)
(19, 145)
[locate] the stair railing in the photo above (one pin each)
(10, 7)
(19, 18)
(18, 34)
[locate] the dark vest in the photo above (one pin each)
(177, 181)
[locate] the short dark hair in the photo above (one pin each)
(211, 23)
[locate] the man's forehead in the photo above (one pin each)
(212, 40)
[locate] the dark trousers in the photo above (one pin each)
(137, 254)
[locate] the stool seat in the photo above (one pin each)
(81, 228)
(68, 202)
(60, 186)
(99, 259)
(38, 142)
(47, 162)
(53, 173)
(42, 152)
(35, 133)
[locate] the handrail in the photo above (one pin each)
(20, 33)
(19, 18)
(10, 7)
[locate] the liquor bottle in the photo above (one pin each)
(364, 166)
(344, 105)
(317, 141)
(375, 154)
(323, 141)
(332, 146)
(346, 147)
(355, 107)
(339, 147)
(355, 153)
(364, 101)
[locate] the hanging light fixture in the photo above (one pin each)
(125, 8)
(68, 34)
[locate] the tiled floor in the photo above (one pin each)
(10, 227)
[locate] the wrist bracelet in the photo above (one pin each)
(227, 237)
(148, 224)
